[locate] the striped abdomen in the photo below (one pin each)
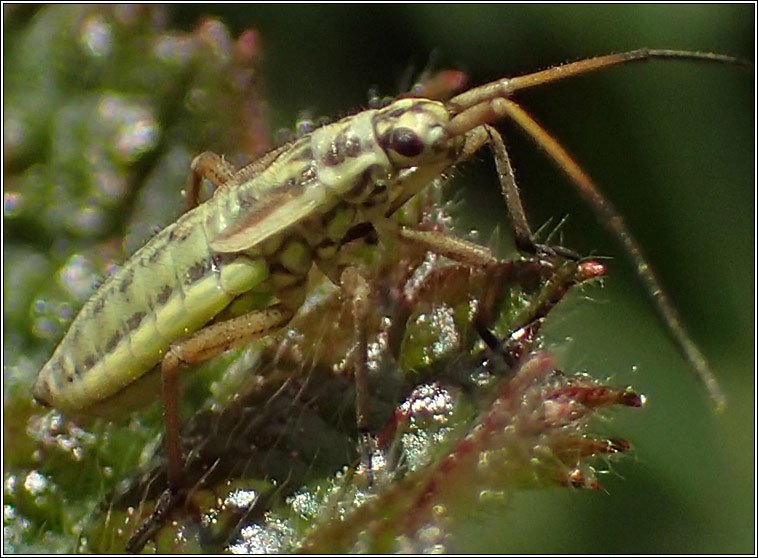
(170, 288)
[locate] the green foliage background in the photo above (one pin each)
(672, 145)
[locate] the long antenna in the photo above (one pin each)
(507, 86)
(611, 218)
(488, 102)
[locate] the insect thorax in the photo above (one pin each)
(260, 230)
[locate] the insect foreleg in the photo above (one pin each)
(525, 240)
(475, 139)
(154, 522)
(528, 323)
(611, 218)
(474, 256)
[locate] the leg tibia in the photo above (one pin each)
(211, 167)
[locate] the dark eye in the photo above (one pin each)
(405, 142)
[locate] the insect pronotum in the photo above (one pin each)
(233, 268)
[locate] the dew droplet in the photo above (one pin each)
(88, 221)
(241, 499)
(138, 136)
(78, 276)
(13, 204)
(96, 37)
(175, 50)
(35, 483)
(216, 35)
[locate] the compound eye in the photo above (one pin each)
(406, 142)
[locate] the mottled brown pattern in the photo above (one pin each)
(361, 185)
(164, 294)
(113, 342)
(327, 249)
(246, 198)
(336, 152)
(276, 268)
(99, 304)
(305, 155)
(262, 211)
(134, 321)
(126, 281)
(353, 146)
(307, 175)
(198, 271)
(327, 217)
(377, 196)
(311, 230)
(179, 234)
(155, 256)
(89, 362)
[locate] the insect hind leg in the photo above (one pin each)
(202, 345)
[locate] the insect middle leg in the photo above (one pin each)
(547, 282)
(356, 290)
(205, 344)
(477, 258)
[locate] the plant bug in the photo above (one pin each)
(234, 268)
